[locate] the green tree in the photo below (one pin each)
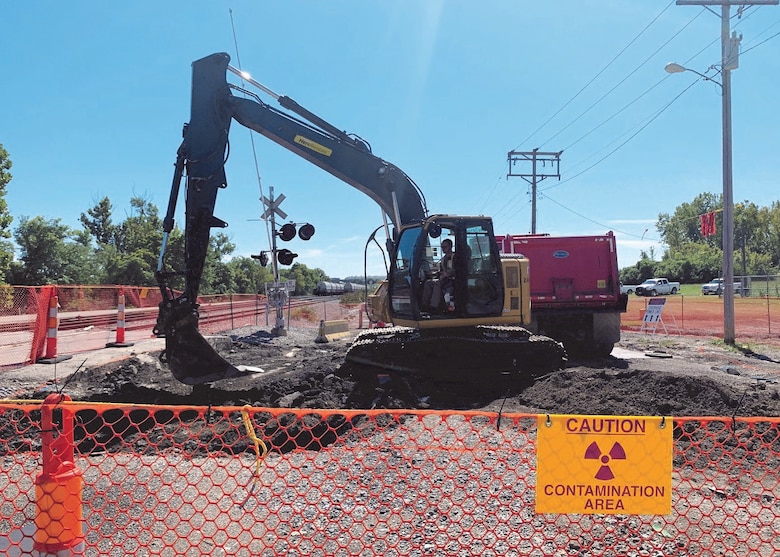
(248, 275)
(691, 262)
(217, 275)
(131, 252)
(6, 248)
(43, 252)
(746, 234)
(81, 263)
(692, 257)
(643, 269)
(98, 223)
(683, 225)
(768, 231)
(305, 279)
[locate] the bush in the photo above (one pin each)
(305, 313)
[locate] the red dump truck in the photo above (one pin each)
(575, 289)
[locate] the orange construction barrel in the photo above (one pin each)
(58, 488)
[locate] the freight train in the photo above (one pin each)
(332, 288)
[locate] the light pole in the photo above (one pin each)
(729, 62)
(729, 48)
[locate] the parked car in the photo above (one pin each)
(715, 286)
(656, 286)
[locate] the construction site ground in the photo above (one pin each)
(647, 374)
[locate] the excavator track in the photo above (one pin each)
(465, 353)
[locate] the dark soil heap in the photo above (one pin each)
(647, 375)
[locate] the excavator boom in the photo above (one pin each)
(201, 157)
(481, 310)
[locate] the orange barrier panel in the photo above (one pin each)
(177, 480)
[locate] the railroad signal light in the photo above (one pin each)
(263, 257)
(287, 232)
(306, 231)
(285, 256)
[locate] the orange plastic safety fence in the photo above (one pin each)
(756, 318)
(88, 318)
(23, 320)
(164, 480)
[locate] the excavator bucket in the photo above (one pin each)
(190, 357)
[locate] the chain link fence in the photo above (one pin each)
(171, 480)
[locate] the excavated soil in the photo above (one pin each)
(645, 375)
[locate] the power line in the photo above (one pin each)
(762, 42)
(619, 83)
(511, 204)
(492, 190)
(606, 227)
(632, 136)
(595, 77)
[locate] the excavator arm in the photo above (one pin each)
(202, 157)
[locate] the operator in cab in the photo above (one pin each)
(443, 283)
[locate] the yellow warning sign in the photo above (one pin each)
(604, 465)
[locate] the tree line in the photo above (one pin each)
(105, 251)
(692, 257)
(125, 252)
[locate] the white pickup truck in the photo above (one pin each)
(656, 286)
(627, 288)
(715, 286)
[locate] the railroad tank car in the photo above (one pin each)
(324, 288)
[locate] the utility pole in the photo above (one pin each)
(729, 62)
(535, 176)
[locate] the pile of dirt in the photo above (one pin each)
(645, 375)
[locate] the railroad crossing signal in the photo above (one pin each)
(273, 207)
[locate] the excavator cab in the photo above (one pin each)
(418, 293)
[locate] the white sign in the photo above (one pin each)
(273, 207)
(654, 309)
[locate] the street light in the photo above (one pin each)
(729, 63)
(674, 67)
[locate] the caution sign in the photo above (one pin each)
(655, 308)
(604, 465)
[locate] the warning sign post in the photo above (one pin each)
(653, 317)
(604, 465)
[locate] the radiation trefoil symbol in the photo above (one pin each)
(615, 453)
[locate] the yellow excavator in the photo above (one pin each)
(474, 326)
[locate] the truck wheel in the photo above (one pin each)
(674, 291)
(653, 293)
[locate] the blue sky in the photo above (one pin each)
(94, 95)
